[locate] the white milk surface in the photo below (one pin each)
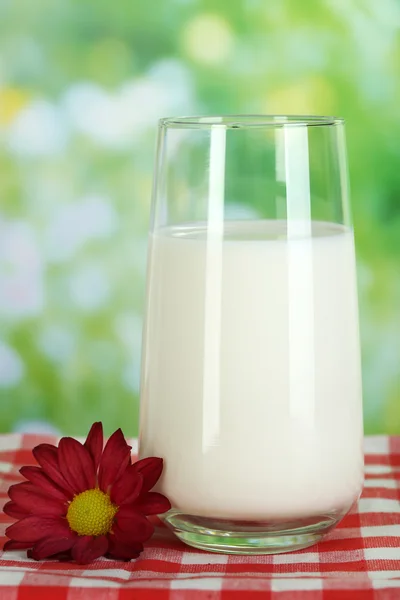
(251, 385)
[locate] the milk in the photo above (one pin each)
(251, 387)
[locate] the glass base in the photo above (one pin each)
(247, 537)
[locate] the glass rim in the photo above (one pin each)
(245, 121)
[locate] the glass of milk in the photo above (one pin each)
(251, 383)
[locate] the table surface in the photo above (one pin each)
(359, 560)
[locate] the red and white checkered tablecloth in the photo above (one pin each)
(359, 560)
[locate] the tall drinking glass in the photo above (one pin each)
(251, 386)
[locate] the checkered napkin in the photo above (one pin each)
(359, 560)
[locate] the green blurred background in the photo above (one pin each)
(82, 83)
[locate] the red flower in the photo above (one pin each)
(84, 502)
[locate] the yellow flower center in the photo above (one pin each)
(91, 513)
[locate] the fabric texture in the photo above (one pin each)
(359, 560)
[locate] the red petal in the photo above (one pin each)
(33, 501)
(152, 503)
(37, 476)
(47, 457)
(151, 469)
(34, 528)
(127, 488)
(94, 443)
(131, 526)
(51, 545)
(13, 510)
(76, 465)
(116, 457)
(120, 551)
(88, 548)
(12, 545)
(62, 556)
